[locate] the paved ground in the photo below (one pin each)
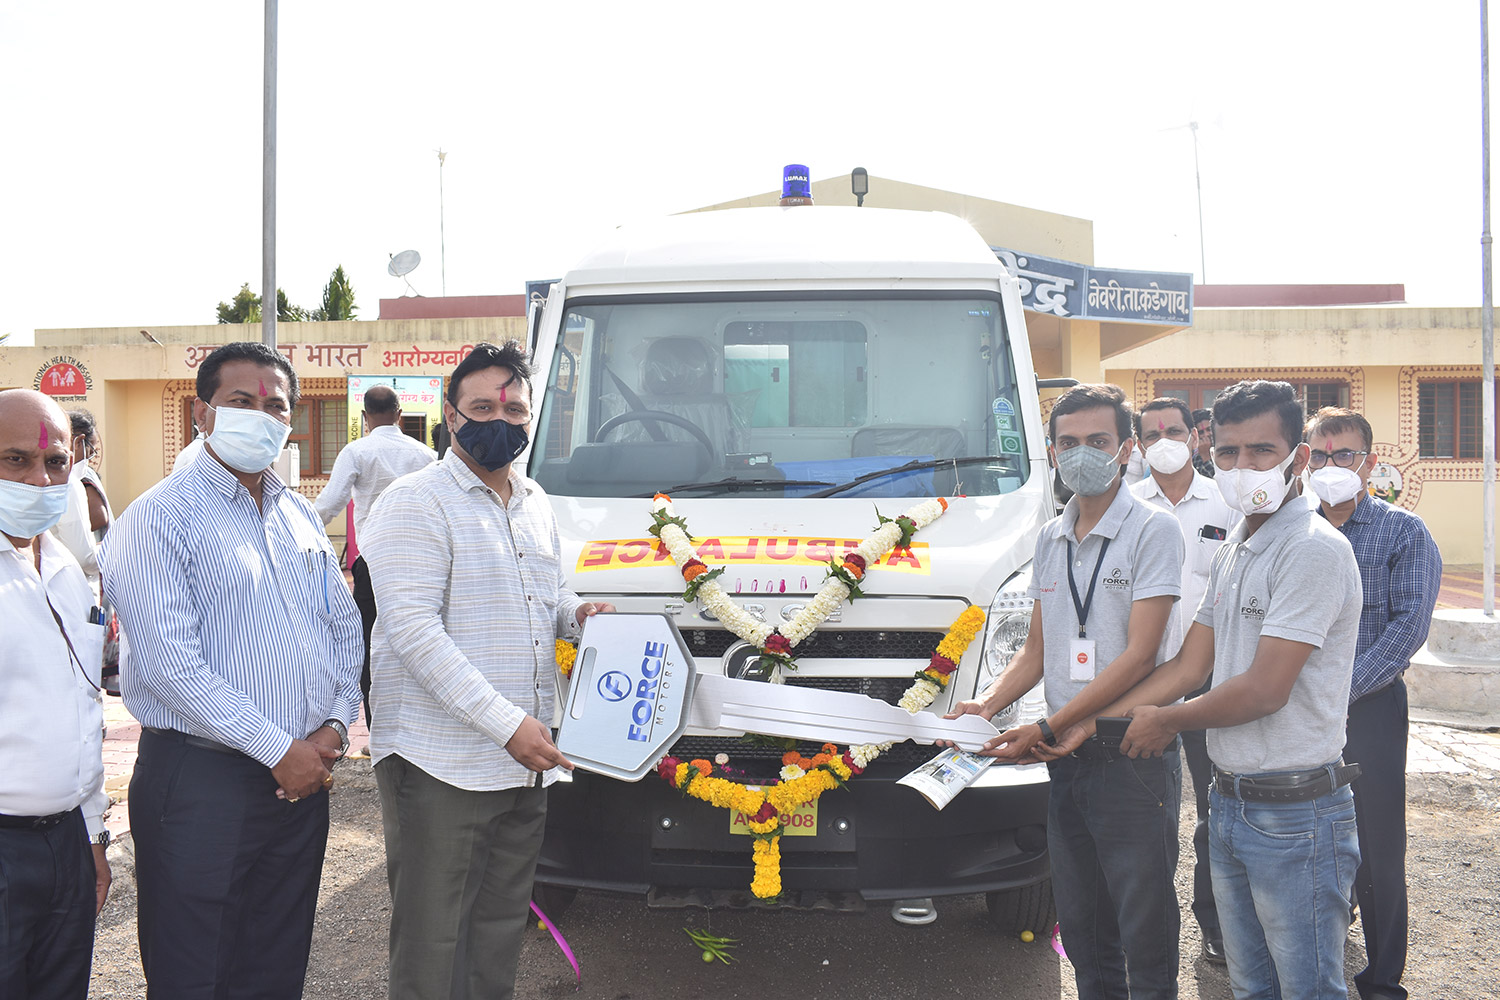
(1463, 587)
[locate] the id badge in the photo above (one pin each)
(1081, 660)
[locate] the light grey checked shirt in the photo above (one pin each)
(471, 599)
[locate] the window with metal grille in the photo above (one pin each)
(1448, 419)
(1317, 395)
(320, 431)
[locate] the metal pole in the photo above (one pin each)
(1198, 176)
(268, 187)
(442, 230)
(1487, 316)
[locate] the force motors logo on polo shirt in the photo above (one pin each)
(1253, 610)
(1115, 581)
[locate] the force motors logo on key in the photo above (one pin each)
(654, 680)
(614, 686)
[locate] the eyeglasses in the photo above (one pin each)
(1343, 458)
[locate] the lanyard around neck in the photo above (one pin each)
(1083, 606)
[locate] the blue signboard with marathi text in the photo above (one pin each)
(1062, 288)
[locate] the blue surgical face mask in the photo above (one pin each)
(26, 511)
(247, 440)
(494, 444)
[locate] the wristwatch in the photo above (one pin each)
(102, 838)
(343, 732)
(1047, 735)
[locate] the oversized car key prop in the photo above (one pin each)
(634, 690)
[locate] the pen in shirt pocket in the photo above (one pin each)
(96, 615)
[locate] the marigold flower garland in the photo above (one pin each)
(842, 582)
(805, 779)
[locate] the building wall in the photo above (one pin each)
(1383, 355)
(136, 387)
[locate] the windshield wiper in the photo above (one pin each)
(917, 466)
(736, 485)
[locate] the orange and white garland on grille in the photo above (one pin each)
(841, 585)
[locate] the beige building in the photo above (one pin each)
(1413, 371)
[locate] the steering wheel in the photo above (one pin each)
(669, 418)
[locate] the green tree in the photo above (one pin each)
(338, 299)
(245, 308)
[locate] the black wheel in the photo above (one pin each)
(647, 416)
(553, 900)
(1029, 908)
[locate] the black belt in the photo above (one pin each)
(192, 741)
(1294, 786)
(33, 822)
(1092, 749)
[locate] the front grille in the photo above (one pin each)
(760, 759)
(833, 643)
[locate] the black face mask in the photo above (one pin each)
(494, 444)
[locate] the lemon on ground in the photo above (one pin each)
(1028, 937)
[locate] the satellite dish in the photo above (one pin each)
(402, 264)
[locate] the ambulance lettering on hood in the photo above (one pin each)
(655, 678)
(758, 550)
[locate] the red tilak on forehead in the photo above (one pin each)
(502, 392)
(1328, 446)
(263, 387)
(41, 441)
(1161, 424)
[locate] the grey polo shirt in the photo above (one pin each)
(1144, 560)
(1295, 578)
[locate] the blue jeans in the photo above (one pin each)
(1283, 872)
(1112, 834)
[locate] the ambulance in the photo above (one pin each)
(788, 376)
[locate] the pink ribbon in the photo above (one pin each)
(562, 943)
(1056, 940)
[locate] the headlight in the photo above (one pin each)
(1006, 628)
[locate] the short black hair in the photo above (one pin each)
(1087, 397)
(381, 400)
(1167, 403)
(1328, 420)
(508, 355)
(243, 350)
(1252, 397)
(83, 425)
(1201, 415)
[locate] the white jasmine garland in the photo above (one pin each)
(833, 593)
(791, 772)
(921, 694)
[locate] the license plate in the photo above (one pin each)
(802, 823)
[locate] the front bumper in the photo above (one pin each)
(875, 839)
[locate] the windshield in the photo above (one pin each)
(782, 397)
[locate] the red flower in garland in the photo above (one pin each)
(941, 665)
(849, 762)
(765, 812)
(667, 769)
(778, 643)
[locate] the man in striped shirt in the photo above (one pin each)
(244, 674)
(464, 556)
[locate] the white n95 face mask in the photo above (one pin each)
(26, 511)
(1334, 485)
(247, 440)
(1167, 456)
(1252, 491)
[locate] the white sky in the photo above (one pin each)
(1339, 141)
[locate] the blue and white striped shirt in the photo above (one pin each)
(1402, 571)
(240, 625)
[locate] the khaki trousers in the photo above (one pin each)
(460, 866)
